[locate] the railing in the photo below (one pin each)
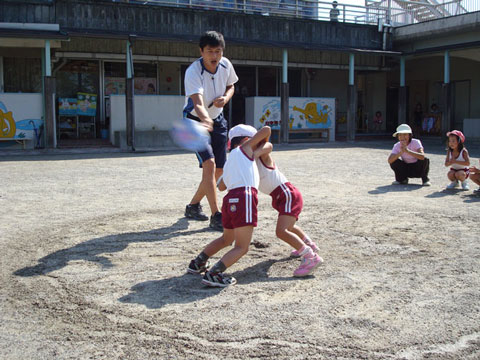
(403, 12)
(394, 12)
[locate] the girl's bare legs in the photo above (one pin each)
(288, 232)
(451, 175)
(243, 237)
(218, 244)
(460, 175)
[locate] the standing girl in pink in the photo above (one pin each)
(457, 159)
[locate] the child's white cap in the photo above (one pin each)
(241, 130)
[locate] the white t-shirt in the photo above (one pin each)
(459, 158)
(270, 177)
(240, 170)
(198, 80)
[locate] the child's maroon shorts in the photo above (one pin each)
(239, 208)
(287, 200)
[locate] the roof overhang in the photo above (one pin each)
(30, 35)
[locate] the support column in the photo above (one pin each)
(49, 100)
(352, 100)
(129, 99)
(1, 75)
(447, 122)
(402, 95)
(284, 93)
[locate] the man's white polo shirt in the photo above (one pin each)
(198, 80)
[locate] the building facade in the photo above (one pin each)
(77, 51)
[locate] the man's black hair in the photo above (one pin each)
(212, 38)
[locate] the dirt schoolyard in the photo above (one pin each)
(94, 248)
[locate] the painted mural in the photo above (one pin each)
(20, 122)
(304, 113)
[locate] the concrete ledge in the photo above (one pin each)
(17, 143)
(146, 139)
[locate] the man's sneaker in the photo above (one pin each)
(403, 182)
(218, 280)
(477, 191)
(465, 185)
(426, 183)
(194, 211)
(216, 221)
(195, 268)
(308, 265)
(315, 248)
(452, 185)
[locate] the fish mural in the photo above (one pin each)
(315, 115)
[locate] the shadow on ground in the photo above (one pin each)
(188, 288)
(395, 188)
(92, 250)
(445, 192)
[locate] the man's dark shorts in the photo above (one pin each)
(217, 149)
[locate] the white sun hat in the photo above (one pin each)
(241, 130)
(403, 129)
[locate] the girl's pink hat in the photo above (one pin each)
(458, 133)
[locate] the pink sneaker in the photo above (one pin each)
(314, 247)
(308, 265)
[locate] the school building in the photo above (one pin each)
(98, 72)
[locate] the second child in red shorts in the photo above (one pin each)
(288, 201)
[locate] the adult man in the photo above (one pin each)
(209, 85)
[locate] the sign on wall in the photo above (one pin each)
(86, 104)
(67, 106)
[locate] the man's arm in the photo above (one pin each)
(201, 111)
(221, 101)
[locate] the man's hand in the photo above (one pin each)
(220, 101)
(208, 123)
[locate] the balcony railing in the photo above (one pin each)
(395, 12)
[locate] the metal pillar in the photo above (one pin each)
(447, 122)
(49, 99)
(129, 99)
(402, 95)
(352, 100)
(284, 93)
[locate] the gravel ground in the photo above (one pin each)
(94, 247)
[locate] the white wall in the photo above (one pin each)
(152, 112)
